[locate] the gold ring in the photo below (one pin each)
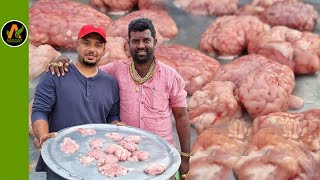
(55, 65)
(60, 64)
(184, 176)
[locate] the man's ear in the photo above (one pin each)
(155, 41)
(104, 49)
(77, 44)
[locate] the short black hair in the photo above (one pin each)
(141, 24)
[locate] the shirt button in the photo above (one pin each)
(142, 102)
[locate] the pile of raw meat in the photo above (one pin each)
(241, 79)
(107, 156)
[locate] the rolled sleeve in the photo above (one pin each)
(178, 94)
(44, 98)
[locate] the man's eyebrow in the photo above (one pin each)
(83, 39)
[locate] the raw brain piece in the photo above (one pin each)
(230, 136)
(153, 4)
(307, 53)
(163, 22)
(155, 169)
(130, 146)
(262, 86)
(141, 155)
(114, 7)
(311, 140)
(113, 170)
(208, 7)
(122, 7)
(69, 146)
(86, 131)
(122, 154)
(224, 41)
(116, 48)
(297, 15)
(217, 149)
(95, 143)
(39, 58)
(97, 154)
(58, 22)
(268, 90)
(85, 160)
(109, 159)
(205, 169)
(290, 13)
(298, 50)
(270, 155)
(267, 3)
(110, 149)
(114, 136)
(133, 139)
(292, 124)
(216, 100)
(195, 67)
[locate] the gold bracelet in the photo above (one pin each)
(184, 176)
(184, 154)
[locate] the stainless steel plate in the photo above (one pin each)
(70, 167)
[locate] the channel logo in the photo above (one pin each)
(14, 33)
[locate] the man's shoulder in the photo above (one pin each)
(120, 62)
(167, 69)
(114, 65)
(107, 76)
(46, 76)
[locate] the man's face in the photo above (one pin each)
(90, 49)
(142, 46)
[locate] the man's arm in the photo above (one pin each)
(113, 116)
(183, 128)
(44, 101)
(41, 131)
(60, 66)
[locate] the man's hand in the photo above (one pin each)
(36, 142)
(183, 129)
(39, 143)
(59, 66)
(184, 167)
(118, 123)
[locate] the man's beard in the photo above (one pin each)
(143, 60)
(89, 63)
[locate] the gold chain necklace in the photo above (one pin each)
(135, 76)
